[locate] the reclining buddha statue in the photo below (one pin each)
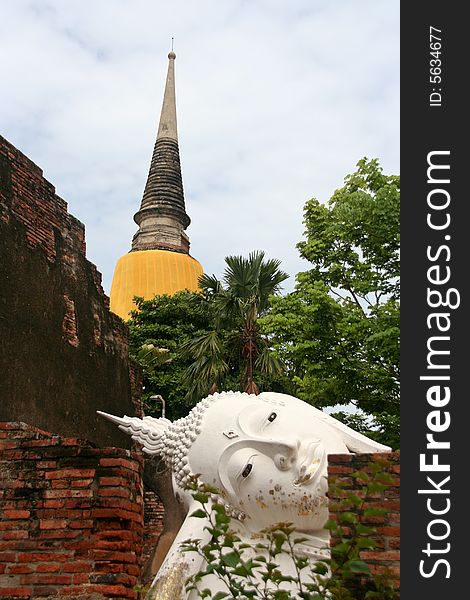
(267, 457)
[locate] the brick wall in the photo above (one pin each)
(154, 513)
(386, 556)
(71, 517)
(63, 353)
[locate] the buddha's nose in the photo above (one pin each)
(286, 453)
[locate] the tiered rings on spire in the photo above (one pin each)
(162, 217)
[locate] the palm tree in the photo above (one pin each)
(235, 304)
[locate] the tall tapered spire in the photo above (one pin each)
(162, 217)
(167, 127)
(159, 262)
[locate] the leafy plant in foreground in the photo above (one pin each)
(252, 571)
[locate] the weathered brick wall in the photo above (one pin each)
(63, 353)
(154, 514)
(71, 517)
(386, 556)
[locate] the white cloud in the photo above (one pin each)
(276, 103)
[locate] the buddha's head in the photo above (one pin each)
(266, 454)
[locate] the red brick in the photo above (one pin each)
(16, 591)
(83, 504)
(112, 590)
(339, 470)
(15, 535)
(391, 555)
(54, 503)
(45, 590)
(339, 458)
(15, 569)
(17, 514)
(391, 570)
(53, 441)
(81, 524)
(389, 531)
(68, 494)
(57, 534)
(109, 513)
(30, 557)
(46, 464)
(60, 484)
(124, 557)
(77, 591)
(7, 557)
(11, 425)
(48, 568)
(53, 524)
(70, 473)
(111, 545)
(49, 579)
(81, 483)
(117, 535)
(119, 462)
(115, 492)
(81, 578)
(79, 545)
(7, 444)
(78, 567)
(115, 481)
(133, 570)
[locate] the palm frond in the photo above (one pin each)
(268, 363)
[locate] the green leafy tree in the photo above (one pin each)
(234, 350)
(157, 332)
(338, 332)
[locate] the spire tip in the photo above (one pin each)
(172, 55)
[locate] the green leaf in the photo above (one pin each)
(201, 497)
(331, 525)
(365, 543)
(361, 475)
(354, 500)
(375, 486)
(341, 548)
(348, 517)
(222, 519)
(200, 514)
(231, 559)
(358, 566)
(321, 568)
(362, 529)
(375, 511)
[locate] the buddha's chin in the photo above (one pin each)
(306, 511)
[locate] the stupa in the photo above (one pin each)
(159, 261)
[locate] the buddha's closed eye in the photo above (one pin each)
(247, 470)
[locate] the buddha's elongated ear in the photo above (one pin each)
(149, 432)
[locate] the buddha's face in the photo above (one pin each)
(268, 455)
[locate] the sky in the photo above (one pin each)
(277, 101)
